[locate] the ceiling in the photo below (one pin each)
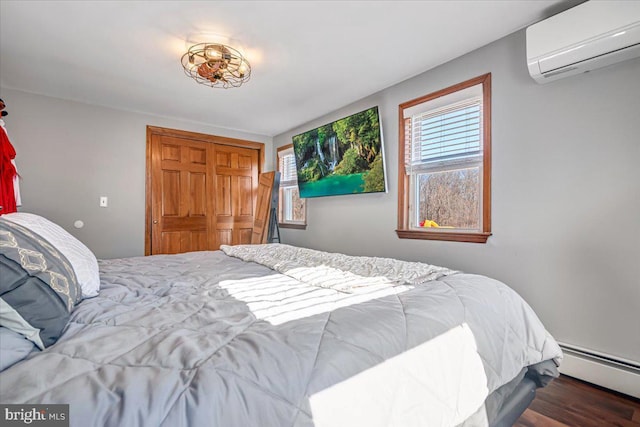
(308, 57)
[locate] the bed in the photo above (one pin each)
(270, 335)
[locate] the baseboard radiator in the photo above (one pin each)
(601, 369)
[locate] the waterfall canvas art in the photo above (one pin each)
(342, 157)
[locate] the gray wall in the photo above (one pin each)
(69, 154)
(566, 195)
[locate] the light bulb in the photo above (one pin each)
(212, 53)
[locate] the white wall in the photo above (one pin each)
(69, 154)
(566, 195)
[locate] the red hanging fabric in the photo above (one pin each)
(7, 175)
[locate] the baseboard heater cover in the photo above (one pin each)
(606, 371)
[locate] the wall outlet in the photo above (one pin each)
(104, 202)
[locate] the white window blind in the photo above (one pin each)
(288, 173)
(444, 136)
(291, 209)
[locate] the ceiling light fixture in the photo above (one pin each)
(216, 65)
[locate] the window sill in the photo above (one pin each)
(451, 236)
(293, 226)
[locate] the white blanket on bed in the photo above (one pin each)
(337, 271)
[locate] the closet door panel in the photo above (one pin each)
(180, 195)
(236, 171)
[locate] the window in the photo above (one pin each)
(291, 208)
(445, 168)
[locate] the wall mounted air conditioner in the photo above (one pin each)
(588, 36)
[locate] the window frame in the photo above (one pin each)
(404, 230)
(281, 222)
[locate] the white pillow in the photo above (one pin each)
(83, 261)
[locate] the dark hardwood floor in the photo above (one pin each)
(571, 402)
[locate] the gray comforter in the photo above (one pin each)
(205, 339)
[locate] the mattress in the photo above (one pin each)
(271, 335)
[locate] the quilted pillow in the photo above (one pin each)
(38, 289)
(82, 260)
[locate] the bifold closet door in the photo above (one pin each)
(235, 187)
(201, 191)
(181, 188)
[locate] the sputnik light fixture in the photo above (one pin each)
(216, 65)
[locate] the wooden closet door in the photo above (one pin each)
(200, 190)
(235, 186)
(181, 195)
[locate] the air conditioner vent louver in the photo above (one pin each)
(561, 71)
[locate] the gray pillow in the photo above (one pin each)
(82, 260)
(38, 289)
(13, 347)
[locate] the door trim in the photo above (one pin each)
(201, 137)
